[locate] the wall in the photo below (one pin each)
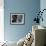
(29, 7)
(43, 6)
(1, 21)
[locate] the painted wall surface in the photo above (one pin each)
(43, 6)
(29, 7)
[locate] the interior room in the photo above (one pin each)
(22, 23)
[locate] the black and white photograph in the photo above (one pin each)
(17, 18)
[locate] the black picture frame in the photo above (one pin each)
(17, 18)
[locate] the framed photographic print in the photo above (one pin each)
(17, 18)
